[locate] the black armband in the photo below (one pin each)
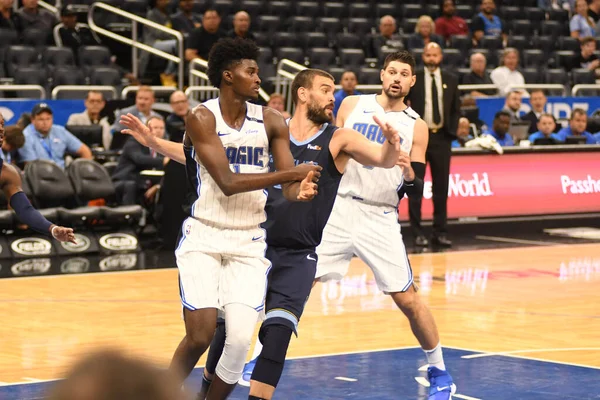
(414, 187)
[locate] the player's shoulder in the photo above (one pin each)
(271, 116)
(352, 100)
(412, 113)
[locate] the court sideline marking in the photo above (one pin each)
(517, 241)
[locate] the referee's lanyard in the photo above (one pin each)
(46, 146)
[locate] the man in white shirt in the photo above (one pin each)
(507, 74)
(94, 104)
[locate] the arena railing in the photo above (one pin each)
(207, 92)
(286, 72)
(542, 86)
(471, 88)
(84, 88)
(157, 89)
(135, 44)
(583, 86)
(38, 88)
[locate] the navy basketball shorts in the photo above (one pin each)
(289, 283)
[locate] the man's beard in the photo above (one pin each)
(394, 96)
(432, 66)
(317, 114)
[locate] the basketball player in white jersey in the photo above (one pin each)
(220, 255)
(364, 220)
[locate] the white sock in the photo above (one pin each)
(257, 349)
(435, 358)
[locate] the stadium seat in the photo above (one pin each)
(301, 24)
(315, 39)
(453, 58)
(360, 26)
(280, 9)
(49, 185)
(520, 27)
(265, 56)
(105, 76)
(462, 72)
(558, 15)
(361, 10)
(90, 56)
(551, 28)
(408, 25)
(491, 43)
(351, 58)
(92, 181)
(464, 11)
(545, 43)
(532, 75)
(253, 7)
(329, 25)
(267, 23)
(262, 39)
(583, 76)
(569, 43)
(308, 8)
(9, 37)
(534, 58)
(286, 39)
(369, 76)
(21, 56)
(562, 58)
(556, 76)
(462, 43)
(510, 13)
(335, 10)
(348, 41)
(291, 53)
(433, 10)
(382, 9)
(534, 14)
(518, 42)
(31, 76)
(321, 56)
(7, 219)
(36, 37)
(412, 10)
(55, 57)
(224, 7)
(137, 7)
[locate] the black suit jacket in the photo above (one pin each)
(416, 100)
(530, 116)
(135, 158)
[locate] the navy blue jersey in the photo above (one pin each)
(299, 225)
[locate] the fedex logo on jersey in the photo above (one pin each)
(245, 155)
(371, 131)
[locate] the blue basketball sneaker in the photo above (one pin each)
(248, 368)
(441, 385)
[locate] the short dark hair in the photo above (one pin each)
(501, 114)
(95, 92)
(349, 71)
(537, 90)
(226, 53)
(402, 56)
(13, 135)
(304, 79)
(547, 115)
(577, 111)
(587, 40)
(210, 9)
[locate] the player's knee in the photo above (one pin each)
(238, 341)
(407, 301)
(200, 339)
(269, 366)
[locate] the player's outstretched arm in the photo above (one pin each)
(366, 152)
(202, 130)
(413, 165)
(142, 134)
(279, 141)
(11, 186)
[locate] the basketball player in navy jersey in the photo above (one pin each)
(364, 220)
(10, 182)
(220, 255)
(294, 229)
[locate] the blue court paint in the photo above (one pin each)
(391, 375)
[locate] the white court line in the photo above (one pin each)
(526, 358)
(551, 350)
(343, 378)
(518, 241)
(462, 396)
(28, 382)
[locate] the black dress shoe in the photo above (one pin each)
(421, 241)
(441, 240)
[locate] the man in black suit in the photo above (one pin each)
(129, 184)
(435, 97)
(538, 102)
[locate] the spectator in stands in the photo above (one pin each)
(144, 99)
(8, 18)
(478, 76)
(507, 74)
(587, 57)
(94, 104)
(463, 133)
(349, 81)
(486, 23)
(186, 20)
(500, 129)
(450, 24)
(129, 184)
(33, 16)
(241, 26)
(277, 102)
(582, 25)
(202, 39)
(46, 141)
(13, 141)
(74, 35)
(538, 102)
(577, 126)
(545, 130)
(175, 123)
(160, 41)
(424, 34)
(594, 11)
(512, 104)
(387, 40)
(110, 374)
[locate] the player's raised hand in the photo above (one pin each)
(137, 129)
(308, 189)
(404, 163)
(390, 133)
(301, 171)
(63, 234)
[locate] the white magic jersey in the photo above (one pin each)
(376, 186)
(248, 152)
